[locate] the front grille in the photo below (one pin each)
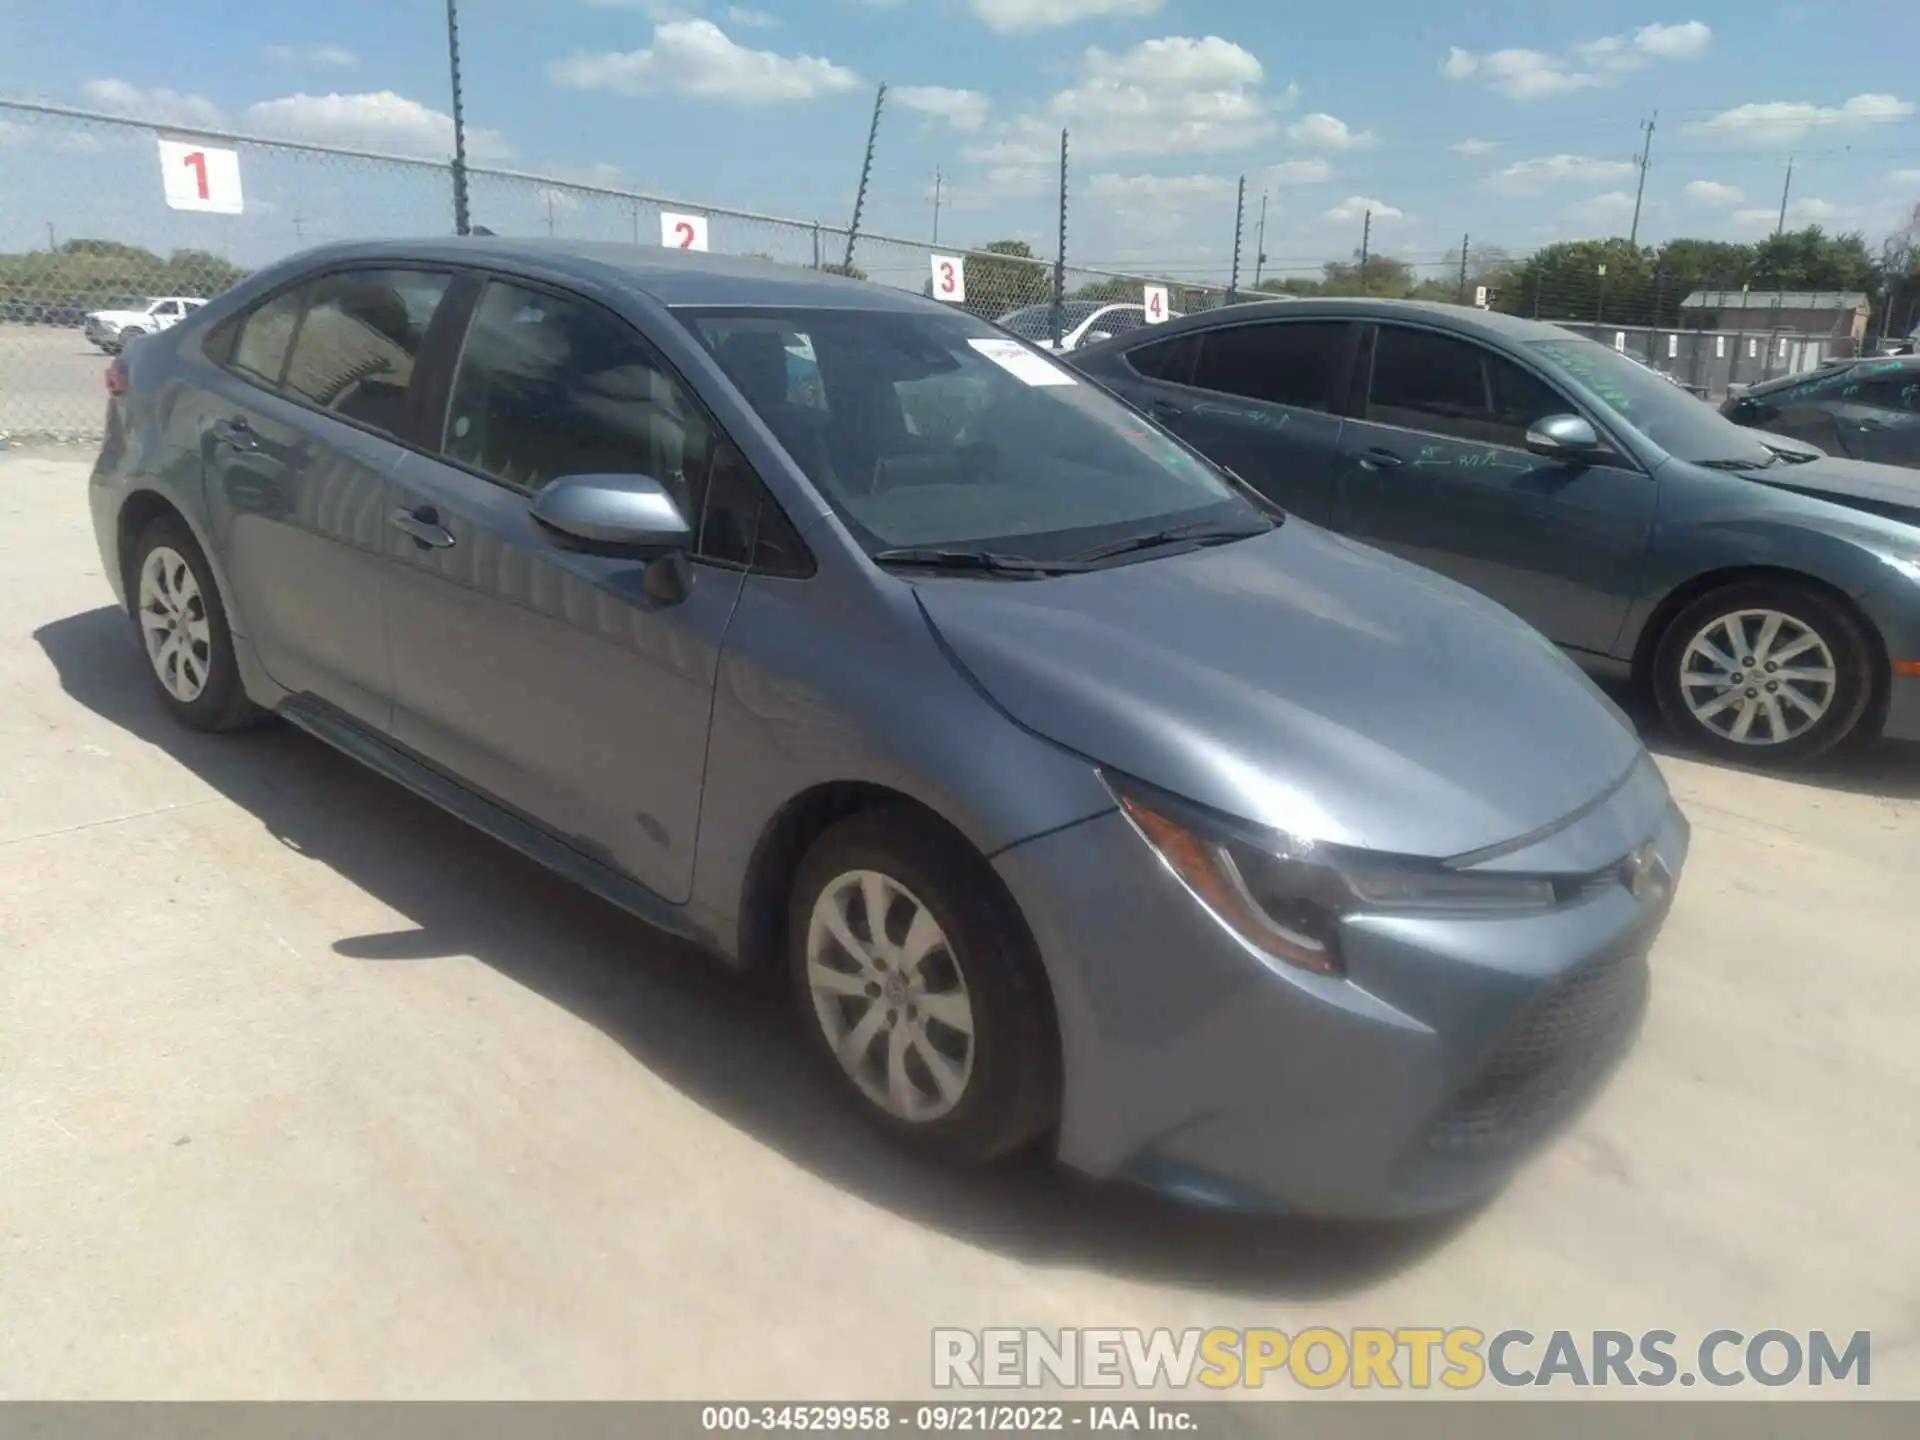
(1550, 1058)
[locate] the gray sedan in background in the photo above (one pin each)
(1086, 800)
(1868, 409)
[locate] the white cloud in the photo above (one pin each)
(962, 109)
(1903, 177)
(1327, 132)
(695, 57)
(1014, 16)
(325, 57)
(1355, 208)
(1530, 177)
(379, 120)
(1474, 147)
(1298, 172)
(1613, 208)
(162, 107)
(1522, 74)
(1712, 192)
(1176, 95)
(750, 19)
(1800, 213)
(1161, 191)
(1775, 121)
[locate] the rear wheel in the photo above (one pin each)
(1764, 673)
(183, 630)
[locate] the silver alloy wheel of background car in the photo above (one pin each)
(1758, 677)
(173, 622)
(883, 977)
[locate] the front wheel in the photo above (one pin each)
(1764, 673)
(921, 990)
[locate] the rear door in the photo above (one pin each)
(1879, 417)
(301, 429)
(1436, 469)
(547, 678)
(1261, 398)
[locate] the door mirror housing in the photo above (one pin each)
(1094, 337)
(612, 515)
(1563, 437)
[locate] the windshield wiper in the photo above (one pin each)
(1773, 458)
(1791, 457)
(985, 562)
(1205, 532)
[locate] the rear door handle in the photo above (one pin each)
(236, 433)
(424, 526)
(1868, 422)
(1379, 458)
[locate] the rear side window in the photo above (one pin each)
(1169, 360)
(260, 348)
(1284, 362)
(358, 339)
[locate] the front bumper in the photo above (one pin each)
(1451, 1049)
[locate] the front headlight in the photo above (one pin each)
(1287, 896)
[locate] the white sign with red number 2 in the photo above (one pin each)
(683, 232)
(1156, 300)
(949, 278)
(200, 177)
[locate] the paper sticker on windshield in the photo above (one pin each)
(1021, 363)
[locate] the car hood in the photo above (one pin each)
(116, 317)
(1889, 490)
(1303, 682)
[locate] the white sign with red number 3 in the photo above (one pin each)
(1156, 304)
(949, 278)
(683, 232)
(200, 177)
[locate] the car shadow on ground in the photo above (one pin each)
(1885, 768)
(723, 1039)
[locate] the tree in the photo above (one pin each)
(1381, 275)
(1005, 275)
(1811, 259)
(1900, 279)
(1584, 280)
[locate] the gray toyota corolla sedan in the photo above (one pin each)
(1089, 801)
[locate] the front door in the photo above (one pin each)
(1879, 417)
(545, 677)
(1437, 470)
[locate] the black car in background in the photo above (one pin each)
(1867, 409)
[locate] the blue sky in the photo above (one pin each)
(1514, 122)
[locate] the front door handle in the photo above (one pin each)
(423, 524)
(1379, 458)
(236, 433)
(1166, 410)
(1868, 422)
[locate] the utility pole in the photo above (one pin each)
(299, 230)
(1239, 225)
(459, 123)
(937, 179)
(1784, 191)
(1640, 190)
(1366, 240)
(1260, 244)
(1465, 240)
(1060, 250)
(50, 245)
(549, 212)
(866, 173)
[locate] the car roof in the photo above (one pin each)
(671, 277)
(1464, 319)
(1876, 364)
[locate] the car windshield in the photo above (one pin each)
(935, 430)
(1035, 322)
(1660, 410)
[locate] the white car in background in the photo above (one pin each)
(112, 329)
(1082, 322)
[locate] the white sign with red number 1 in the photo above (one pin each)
(949, 278)
(683, 232)
(200, 177)
(1156, 304)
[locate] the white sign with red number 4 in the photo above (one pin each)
(949, 278)
(1156, 304)
(200, 177)
(683, 232)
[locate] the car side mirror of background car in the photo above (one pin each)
(1094, 337)
(1563, 437)
(621, 515)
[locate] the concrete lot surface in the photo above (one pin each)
(52, 382)
(308, 1092)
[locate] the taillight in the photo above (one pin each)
(117, 377)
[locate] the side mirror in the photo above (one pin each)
(621, 515)
(1563, 437)
(1094, 337)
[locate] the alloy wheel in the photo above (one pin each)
(173, 622)
(889, 995)
(1758, 677)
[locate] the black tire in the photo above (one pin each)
(222, 703)
(1848, 699)
(1011, 1096)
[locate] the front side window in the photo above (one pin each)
(1283, 362)
(937, 431)
(1890, 392)
(167, 307)
(1170, 360)
(359, 335)
(1447, 386)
